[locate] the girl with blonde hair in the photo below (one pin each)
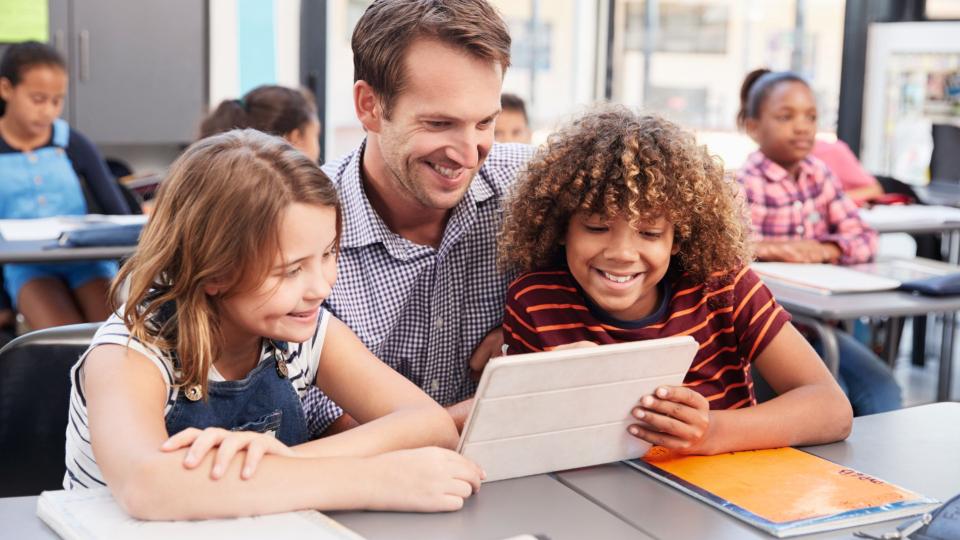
(187, 403)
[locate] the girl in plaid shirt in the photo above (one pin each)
(801, 214)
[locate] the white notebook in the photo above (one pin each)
(550, 411)
(823, 278)
(92, 514)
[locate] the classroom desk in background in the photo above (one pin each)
(813, 309)
(915, 448)
(35, 251)
(942, 192)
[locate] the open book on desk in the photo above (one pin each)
(784, 491)
(823, 278)
(91, 514)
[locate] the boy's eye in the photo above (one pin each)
(653, 235)
(595, 228)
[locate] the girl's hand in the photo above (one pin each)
(422, 480)
(228, 443)
(675, 417)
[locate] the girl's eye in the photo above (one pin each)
(327, 254)
(294, 271)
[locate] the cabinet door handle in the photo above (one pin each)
(59, 44)
(84, 38)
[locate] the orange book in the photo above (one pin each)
(784, 491)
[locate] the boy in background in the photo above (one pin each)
(512, 125)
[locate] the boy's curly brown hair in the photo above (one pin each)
(614, 162)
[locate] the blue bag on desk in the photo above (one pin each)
(934, 286)
(102, 236)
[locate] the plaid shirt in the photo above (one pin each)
(422, 310)
(812, 207)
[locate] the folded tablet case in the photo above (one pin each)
(102, 236)
(934, 286)
(550, 411)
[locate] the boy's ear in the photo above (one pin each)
(367, 106)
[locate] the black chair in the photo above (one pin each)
(945, 159)
(34, 403)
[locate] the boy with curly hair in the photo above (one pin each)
(626, 230)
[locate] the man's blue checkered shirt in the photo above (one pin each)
(419, 309)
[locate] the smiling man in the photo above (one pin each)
(422, 196)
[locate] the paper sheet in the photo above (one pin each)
(22, 20)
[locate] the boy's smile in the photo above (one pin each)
(617, 265)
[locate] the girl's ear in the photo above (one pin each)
(367, 106)
(213, 288)
(6, 88)
(752, 127)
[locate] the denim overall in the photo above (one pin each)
(264, 401)
(40, 184)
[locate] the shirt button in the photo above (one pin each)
(31, 157)
(434, 385)
(439, 322)
(41, 200)
(37, 180)
(798, 204)
(799, 229)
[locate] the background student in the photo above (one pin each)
(277, 110)
(601, 224)
(188, 402)
(857, 183)
(801, 214)
(513, 125)
(42, 162)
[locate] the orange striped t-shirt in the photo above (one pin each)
(733, 321)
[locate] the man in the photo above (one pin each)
(422, 197)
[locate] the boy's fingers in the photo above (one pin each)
(658, 438)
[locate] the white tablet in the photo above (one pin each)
(550, 411)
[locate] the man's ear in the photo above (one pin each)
(367, 106)
(6, 88)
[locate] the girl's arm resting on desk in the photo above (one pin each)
(392, 412)
(810, 407)
(125, 400)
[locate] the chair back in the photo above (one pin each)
(34, 403)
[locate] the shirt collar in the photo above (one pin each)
(362, 225)
(773, 172)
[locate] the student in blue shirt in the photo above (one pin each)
(41, 163)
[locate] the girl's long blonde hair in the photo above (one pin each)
(216, 222)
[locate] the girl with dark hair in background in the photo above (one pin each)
(801, 214)
(42, 161)
(277, 110)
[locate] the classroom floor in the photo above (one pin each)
(919, 384)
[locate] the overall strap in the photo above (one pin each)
(61, 133)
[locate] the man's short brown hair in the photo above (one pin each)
(388, 27)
